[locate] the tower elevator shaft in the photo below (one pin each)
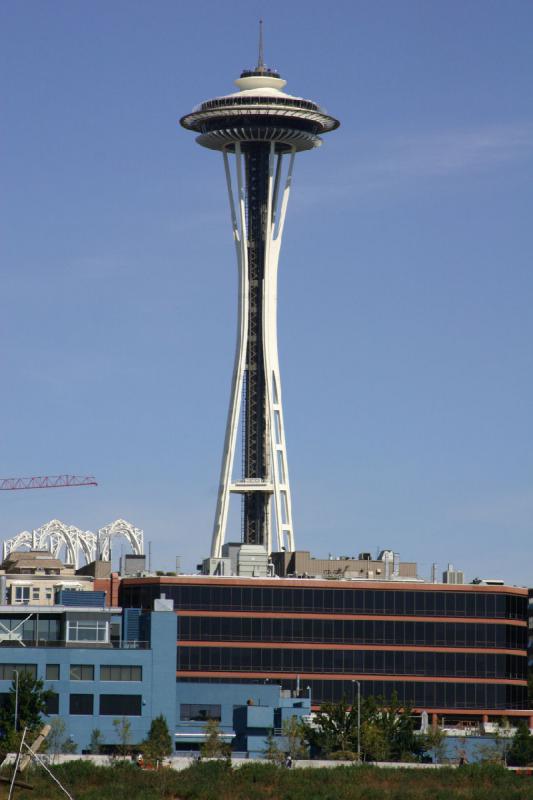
(256, 454)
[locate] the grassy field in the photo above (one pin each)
(216, 781)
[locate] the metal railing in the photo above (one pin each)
(123, 645)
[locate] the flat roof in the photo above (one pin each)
(320, 583)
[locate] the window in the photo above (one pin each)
(22, 594)
(7, 671)
(125, 705)
(117, 673)
(81, 672)
(52, 672)
(81, 704)
(35, 593)
(196, 712)
(52, 704)
(91, 630)
(48, 594)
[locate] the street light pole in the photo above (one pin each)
(16, 698)
(358, 684)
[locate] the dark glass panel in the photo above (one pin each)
(329, 600)
(51, 704)
(379, 601)
(267, 599)
(349, 598)
(127, 705)
(224, 598)
(358, 601)
(81, 704)
(399, 603)
(470, 609)
(480, 605)
(490, 605)
(420, 604)
(369, 601)
(450, 604)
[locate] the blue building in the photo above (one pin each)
(103, 665)
(96, 673)
(247, 714)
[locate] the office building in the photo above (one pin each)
(460, 652)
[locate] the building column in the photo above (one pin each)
(484, 718)
(434, 720)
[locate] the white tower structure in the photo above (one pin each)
(259, 130)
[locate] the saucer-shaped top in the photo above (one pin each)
(259, 111)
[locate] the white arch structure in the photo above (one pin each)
(120, 527)
(55, 535)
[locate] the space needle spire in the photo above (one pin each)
(258, 129)
(261, 56)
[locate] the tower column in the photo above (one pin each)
(256, 456)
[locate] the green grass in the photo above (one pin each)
(217, 781)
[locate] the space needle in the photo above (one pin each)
(258, 129)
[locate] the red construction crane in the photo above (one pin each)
(46, 482)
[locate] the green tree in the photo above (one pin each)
(123, 731)
(333, 729)
(55, 740)
(374, 744)
(435, 742)
(96, 742)
(396, 725)
(32, 700)
(272, 751)
(495, 746)
(387, 730)
(293, 731)
(158, 743)
(69, 746)
(521, 752)
(213, 745)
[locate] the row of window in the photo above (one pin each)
(331, 601)
(50, 630)
(8, 671)
(198, 712)
(127, 705)
(348, 631)
(85, 672)
(22, 594)
(428, 695)
(78, 672)
(94, 630)
(46, 629)
(386, 662)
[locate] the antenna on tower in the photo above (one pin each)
(261, 57)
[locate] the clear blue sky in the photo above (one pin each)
(406, 281)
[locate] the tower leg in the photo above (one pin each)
(238, 222)
(280, 470)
